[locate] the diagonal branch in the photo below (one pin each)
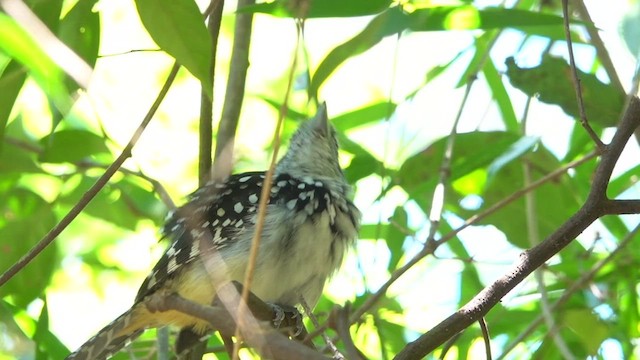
(595, 206)
(93, 191)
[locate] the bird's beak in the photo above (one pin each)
(321, 120)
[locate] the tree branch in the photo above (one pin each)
(214, 11)
(595, 206)
(234, 95)
(268, 342)
(93, 191)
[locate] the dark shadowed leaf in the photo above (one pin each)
(398, 231)
(80, 30)
(419, 174)
(71, 146)
(26, 219)
(555, 201)
(11, 81)
(122, 203)
(552, 83)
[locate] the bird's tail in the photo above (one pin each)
(113, 337)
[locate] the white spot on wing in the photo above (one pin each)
(220, 212)
(253, 198)
(238, 207)
(172, 266)
(291, 204)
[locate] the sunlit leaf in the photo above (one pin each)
(320, 9)
(500, 95)
(387, 23)
(362, 116)
(177, 26)
(16, 42)
(589, 329)
(516, 150)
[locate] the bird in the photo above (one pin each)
(310, 223)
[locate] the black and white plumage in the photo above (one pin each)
(309, 225)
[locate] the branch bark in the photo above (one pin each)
(268, 342)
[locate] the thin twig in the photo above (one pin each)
(93, 191)
(485, 336)
(437, 202)
(534, 239)
(601, 49)
(576, 80)
(314, 320)
(264, 196)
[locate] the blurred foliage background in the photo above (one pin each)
(397, 77)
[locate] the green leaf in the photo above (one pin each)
(555, 201)
(394, 20)
(623, 182)
(48, 346)
(320, 9)
(396, 235)
(389, 22)
(502, 98)
(391, 335)
(363, 164)
(120, 203)
(481, 47)
(630, 29)
(80, 30)
(362, 116)
(585, 324)
(552, 83)
(470, 283)
(141, 199)
(177, 26)
(26, 219)
(71, 146)
(419, 174)
(516, 150)
(468, 17)
(11, 81)
(17, 43)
